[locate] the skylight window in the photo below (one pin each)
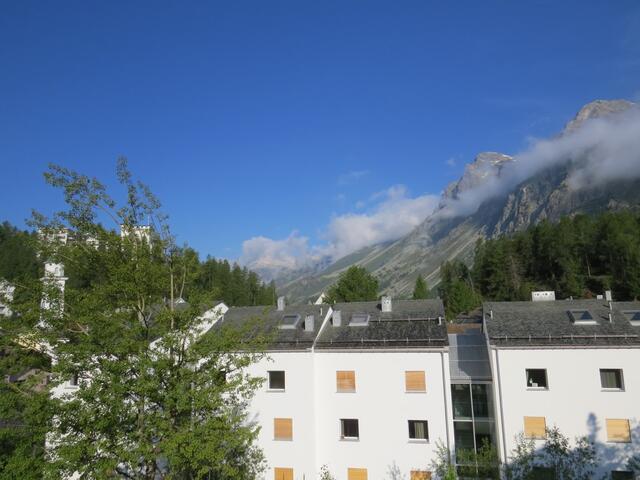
(633, 316)
(359, 320)
(582, 317)
(289, 322)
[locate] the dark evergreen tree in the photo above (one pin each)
(420, 290)
(354, 285)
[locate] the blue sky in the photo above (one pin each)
(263, 118)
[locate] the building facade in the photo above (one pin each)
(371, 389)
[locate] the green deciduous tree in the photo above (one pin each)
(354, 285)
(420, 290)
(556, 459)
(153, 401)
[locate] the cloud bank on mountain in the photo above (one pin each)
(393, 215)
(597, 150)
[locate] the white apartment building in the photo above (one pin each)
(362, 388)
(368, 388)
(574, 364)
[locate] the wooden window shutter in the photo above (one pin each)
(415, 381)
(618, 430)
(346, 380)
(420, 475)
(535, 427)
(357, 474)
(283, 428)
(283, 473)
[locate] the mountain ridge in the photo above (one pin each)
(445, 234)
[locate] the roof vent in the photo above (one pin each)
(309, 323)
(359, 320)
(289, 322)
(546, 296)
(281, 304)
(337, 318)
(386, 304)
(582, 317)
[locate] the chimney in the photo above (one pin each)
(386, 304)
(337, 318)
(309, 322)
(281, 304)
(607, 295)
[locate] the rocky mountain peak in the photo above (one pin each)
(596, 109)
(484, 166)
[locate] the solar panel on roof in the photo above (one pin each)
(289, 321)
(359, 319)
(633, 316)
(581, 316)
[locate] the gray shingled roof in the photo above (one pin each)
(268, 319)
(411, 324)
(550, 323)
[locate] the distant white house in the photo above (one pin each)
(6, 297)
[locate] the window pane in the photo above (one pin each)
(276, 380)
(620, 475)
(418, 429)
(349, 428)
(461, 401)
(482, 401)
(611, 378)
(542, 473)
(537, 378)
(463, 434)
(484, 432)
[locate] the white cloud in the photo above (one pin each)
(266, 255)
(394, 215)
(600, 150)
(451, 162)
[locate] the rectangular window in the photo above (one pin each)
(357, 474)
(537, 378)
(622, 475)
(276, 380)
(420, 475)
(461, 396)
(618, 430)
(535, 427)
(463, 434)
(283, 429)
(349, 428)
(414, 381)
(611, 378)
(543, 473)
(283, 473)
(346, 381)
(482, 400)
(418, 430)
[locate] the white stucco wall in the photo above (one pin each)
(383, 409)
(575, 401)
(296, 402)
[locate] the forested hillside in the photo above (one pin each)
(579, 256)
(215, 279)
